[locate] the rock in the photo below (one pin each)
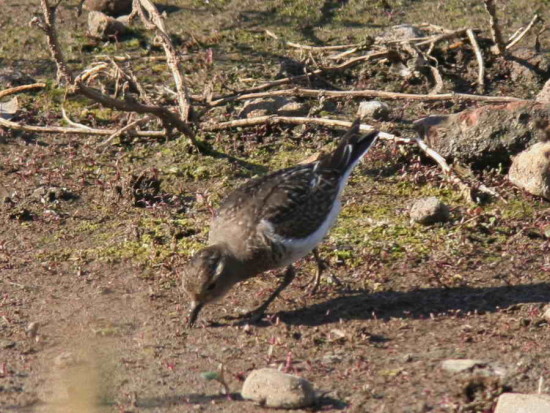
(277, 105)
(485, 136)
(530, 170)
(112, 8)
(273, 388)
(102, 26)
(546, 314)
(460, 365)
(544, 94)
(523, 403)
(479, 367)
(400, 32)
(9, 109)
(429, 210)
(529, 66)
(373, 109)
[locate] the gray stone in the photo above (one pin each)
(427, 211)
(527, 66)
(373, 109)
(530, 170)
(460, 365)
(273, 388)
(276, 105)
(9, 109)
(523, 403)
(544, 94)
(102, 26)
(477, 367)
(486, 136)
(109, 7)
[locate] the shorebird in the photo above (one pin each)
(271, 222)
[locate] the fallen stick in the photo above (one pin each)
(479, 58)
(368, 93)
(311, 48)
(466, 190)
(19, 89)
(298, 121)
(76, 130)
(129, 127)
(515, 39)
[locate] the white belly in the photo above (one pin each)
(300, 247)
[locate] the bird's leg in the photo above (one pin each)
(258, 312)
(321, 265)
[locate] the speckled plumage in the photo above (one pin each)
(272, 221)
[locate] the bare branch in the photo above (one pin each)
(129, 127)
(48, 26)
(70, 122)
(154, 19)
(312, 48)
(76, 131)
(467, 191)
(479, 57)
(495, 27)
(370, 94)
(260, 120)
(19, 89)
(519, 35)
(168, 117)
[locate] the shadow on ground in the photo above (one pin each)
(416, 304)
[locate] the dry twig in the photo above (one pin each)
(155, 20)
(467, 191)
(479, 57)
(129, 127)
(495, 27)
(367, 93)
(260, 120)
(520, 34)
(168, 118)
(19, 89)
(77, 130)
(311, 48)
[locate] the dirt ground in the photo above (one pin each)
(91, 312)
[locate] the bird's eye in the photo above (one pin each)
(211, 287)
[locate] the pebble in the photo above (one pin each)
(427, 211)
(373, 109)
(273, 388)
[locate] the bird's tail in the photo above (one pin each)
(350, 150)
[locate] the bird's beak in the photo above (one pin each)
(196, 308)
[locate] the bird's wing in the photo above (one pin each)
(294, 201)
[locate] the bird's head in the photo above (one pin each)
(208, 277)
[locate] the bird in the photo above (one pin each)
(271, 222)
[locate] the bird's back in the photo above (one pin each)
(280, 217)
